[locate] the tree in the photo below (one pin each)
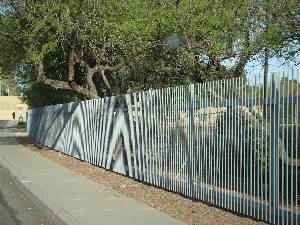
(98, 48)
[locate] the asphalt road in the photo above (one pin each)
(15, 207)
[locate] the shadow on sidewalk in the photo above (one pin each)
(12, 213)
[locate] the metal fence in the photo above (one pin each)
(232, 143)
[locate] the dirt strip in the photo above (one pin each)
(181, 208)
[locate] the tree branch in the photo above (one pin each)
(105, 80)
(57, 84)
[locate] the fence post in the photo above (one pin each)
(190, 150)
(274, 149)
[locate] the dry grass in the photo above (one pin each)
(181, 208)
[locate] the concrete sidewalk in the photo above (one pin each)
(72, 199)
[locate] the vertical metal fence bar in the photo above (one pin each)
(191, 96)
(282, 135)
(245, 130)
(159, 136)
(277, 108)
(154, 135)
(205, 144)
(231, 143)
(226, 151)
(179, 138)
(240, 143)
(261, 147)
(259, 153)
(103, 125)
(180, 124)
(185, 150)
(223, 149)
(175, 137)
(210, 158)
(86, 123)
(163, 138)
(110, 118)
(228, 148)
(256, 149)
(169, 100)
(137, 111)
(156, 140)
(172, 139)
(222, 141)
(99, 130)
(196, 139)
(158, 125)
(95, 136)
(132, 132)
(287, 150)
(248, 149)
(183, 143)
(194, 142)
(164, 126)
(210, 142)
(292, 150)
(285, 166)
(297, 194)
(100, 143)
(270, 148)
(202, 147)
(251, 151)
(218, 191)
(91, 128)
(214, 134)
(235, 148)
(265, 123)
(151, 136)
(239, 156)
(200, 140)
(143, 122)
(148, 137)
(96, 131)
(167, 138)
(274, 150)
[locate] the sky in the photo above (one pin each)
(276, 65)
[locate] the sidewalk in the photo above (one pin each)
(72, 199)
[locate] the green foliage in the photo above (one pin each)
(38, 95)
(169, 43)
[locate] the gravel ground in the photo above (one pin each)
(181, 208)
